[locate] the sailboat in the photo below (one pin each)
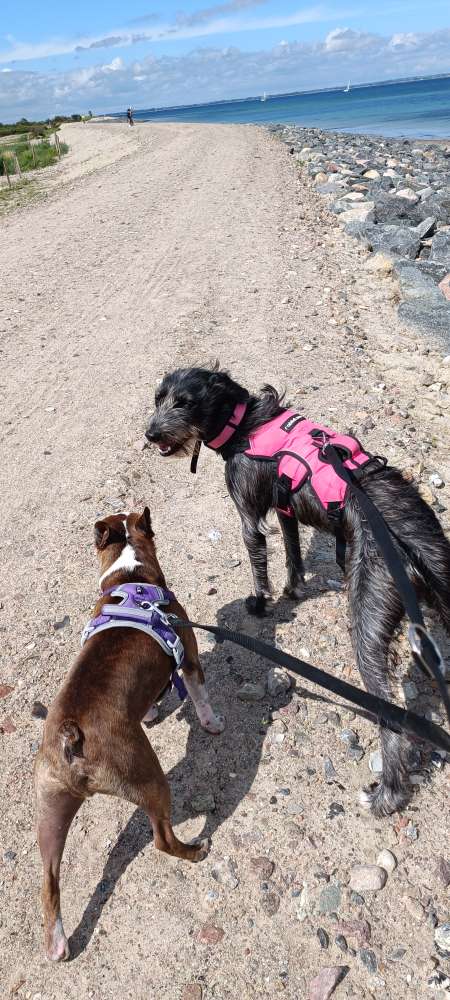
(264, 96)
(347, 89)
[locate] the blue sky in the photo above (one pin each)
(57, 57)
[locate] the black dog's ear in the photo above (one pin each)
(102, 531)
(144, 523)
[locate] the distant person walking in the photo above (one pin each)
(130, 116)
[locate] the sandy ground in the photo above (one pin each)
(156, 247)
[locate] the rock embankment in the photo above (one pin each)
(394, 196)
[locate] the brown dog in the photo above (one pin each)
(93, 739)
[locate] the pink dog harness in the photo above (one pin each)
(297, 445)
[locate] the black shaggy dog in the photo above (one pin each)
(194, 404)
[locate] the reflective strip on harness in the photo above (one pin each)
(296, 444)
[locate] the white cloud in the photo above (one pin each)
(204, 23)
(216, 73)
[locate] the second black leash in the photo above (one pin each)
(386, 713)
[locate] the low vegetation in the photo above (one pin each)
(39, 129)
(30, 155)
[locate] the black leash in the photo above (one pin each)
(387, 714)
(425, 650)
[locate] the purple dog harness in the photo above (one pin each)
(139, 608)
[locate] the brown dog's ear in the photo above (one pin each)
(144, 523)
(102, 532)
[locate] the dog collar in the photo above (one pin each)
(140, 608)
(230, 427)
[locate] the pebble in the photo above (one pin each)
(412, 832)
(214, 535)
(439, 980)
(224, 872)
(367, 878)
(210, 934)
(396, 955)
(270, 903)
(262, 867)
(436, 481)
(414, 908)
(341, 942)
(323, 938)
(356, 899)
(329, 770)
(251, 692)
(203, 803)
(192, 991)
(330, 899)
(349, 737)
(334, 809)
(442, 939)
(324, 984)
(358, 929)
(443, 870)
(9, 855)
(368, 958)
(355, 753)
(387, 860)
(278, 681)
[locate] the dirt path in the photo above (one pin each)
(189, 243)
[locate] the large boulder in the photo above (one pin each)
(400, 241)
(440, 248)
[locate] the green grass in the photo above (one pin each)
(19, 194)
(43, 154)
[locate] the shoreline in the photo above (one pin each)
(393, 196)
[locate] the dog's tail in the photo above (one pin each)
(72, 739)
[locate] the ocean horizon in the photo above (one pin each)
(410, 109)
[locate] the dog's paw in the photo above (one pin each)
(57, 949)
(202, 849)
(256, 605)
(215, 725)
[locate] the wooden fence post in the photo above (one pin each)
(6, 171)
(57, 144)
(33, 153)
(17, 165)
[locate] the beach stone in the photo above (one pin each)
(224, 872)
(413, 283)
(324, 984)
(192, 991)
(203, 803)
(408, 194)
(440, 248)
(367, 878)
(360, 930)
(262, 867)
(414, 908)
(390, 209)
(432, 268)
(251, 692)
(442, 939)
(428, 315)
(398, 240)
(372, 175)
(368, 958)
(210, 934)
(387, 860)
(278, 681)
(330, 899)
(443, 870)
(329, 770)
(270, 903)
(362, 213)
(322, 938)
(426, 227)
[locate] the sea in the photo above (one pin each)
(415, 109)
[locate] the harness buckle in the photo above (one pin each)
(424, 649)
